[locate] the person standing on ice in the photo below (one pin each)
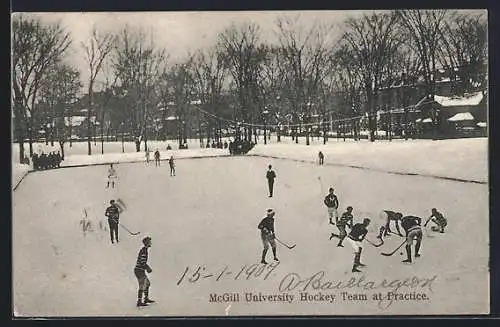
(267, 235)
(332, 204)
(141, 267)
(171, 163)
(412, 227)
(356, 237)
(345, 220)
(437, 218)
(391, 216)
(113, 214)
(321, 158)
(157, 158)
(270, 175)
(112, 176)
(147, 155)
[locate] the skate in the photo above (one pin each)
(359, 264)
(276, 259)
(406, 261)
(354, 269)
(417, 255)
(146, 301)
(141, 304)
(340, 245)
(263, 262)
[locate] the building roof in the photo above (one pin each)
(462, 116)
(469, 100)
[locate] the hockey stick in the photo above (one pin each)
(288, 246)
(375, 245)
(396, 250)
(131, 233)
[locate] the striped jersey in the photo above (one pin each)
(142, 259)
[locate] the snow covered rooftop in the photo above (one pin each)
(462, 116)
(471, 100)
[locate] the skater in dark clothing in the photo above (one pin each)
(332, 204)
(389, 216)
(267, 235)
(437, 218)
(141, 267)
(113, 214)
(58, 159)
(157, 158)
(270, 175)
(321, 158)
(411, 225)
(172, 165)
(345, 220)
(356, 236)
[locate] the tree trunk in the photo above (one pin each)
(89, 124)
(61, 145)
(30, 135)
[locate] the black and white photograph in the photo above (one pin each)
(250, 163)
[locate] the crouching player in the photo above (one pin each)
(437, 218)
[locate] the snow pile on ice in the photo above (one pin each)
(18, 173)
(460, 158)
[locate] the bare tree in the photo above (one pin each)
(242, 51)
(59, 90)
(35, 47)
(139, 65)
(305, 52)
(96, 51)
(373, 41)
(209, 72)
(463, 50)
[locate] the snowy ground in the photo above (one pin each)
(208, 214)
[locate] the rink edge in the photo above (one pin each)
(455, 179)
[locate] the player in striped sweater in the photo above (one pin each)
(141, 267)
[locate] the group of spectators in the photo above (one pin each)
(47, 161)
(217, 145)
(239, 146)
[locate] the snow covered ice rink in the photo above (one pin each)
(207, 216)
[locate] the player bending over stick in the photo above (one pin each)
(345, 219)
(437, 218)
(388, 216)
(411, 225)
(356, 237)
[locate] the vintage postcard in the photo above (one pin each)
(273, 163)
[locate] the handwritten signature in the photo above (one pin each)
(317, 281)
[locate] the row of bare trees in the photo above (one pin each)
(311, 73)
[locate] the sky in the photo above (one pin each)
(178, 32)
(181, 32)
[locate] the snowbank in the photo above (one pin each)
(19, 171)
(459, 159)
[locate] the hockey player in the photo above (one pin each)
(411, 225)
(270, 175)
(112, 176)
(321, 158)
(171, 163)
(113, 214)
(345, 220)
(157, 158)
(267, 235)
(356, 237)
(388, 216)
(332, 203)
(141, 267)
(437, 218)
